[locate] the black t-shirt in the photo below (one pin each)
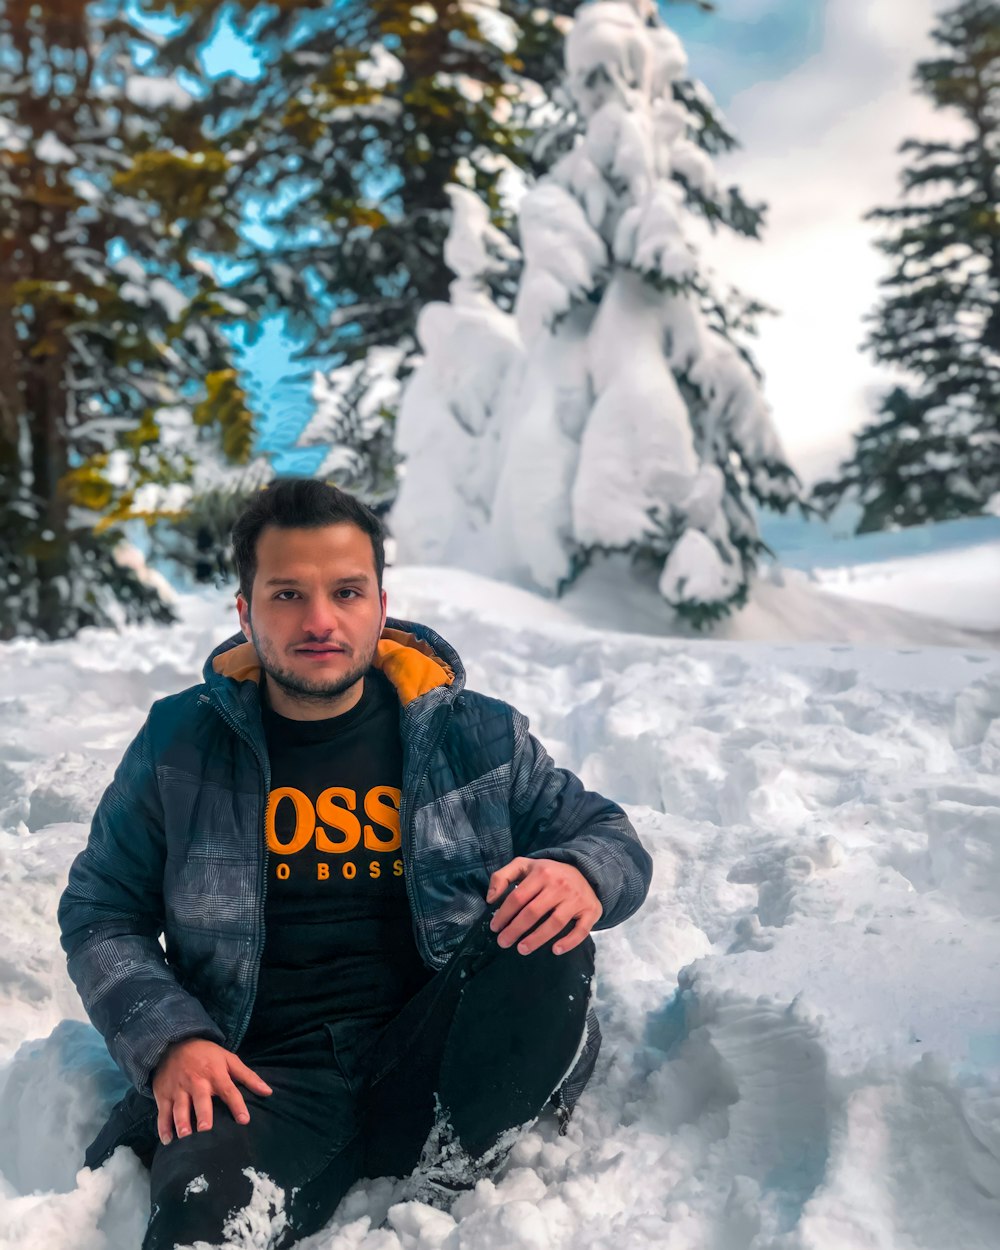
(339, 941)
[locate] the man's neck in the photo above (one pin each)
(305, 707)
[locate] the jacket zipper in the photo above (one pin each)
(264, 766)
(406, 844)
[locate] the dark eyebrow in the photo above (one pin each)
(350, 579)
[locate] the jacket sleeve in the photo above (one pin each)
(111, 918)
(554, 817)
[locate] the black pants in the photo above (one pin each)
(476, 1053)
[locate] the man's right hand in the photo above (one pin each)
(189, 1073)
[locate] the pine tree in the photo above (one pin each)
(935, 452)
(364, 113)
(616, 412)
(118, 375)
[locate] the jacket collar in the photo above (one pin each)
(413, 657)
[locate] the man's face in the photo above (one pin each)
(316, 612)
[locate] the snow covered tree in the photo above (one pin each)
(612, 415)
(197, 539)
(354, 417)
(935, 451)
(118, 375)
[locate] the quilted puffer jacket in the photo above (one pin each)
(177, 846)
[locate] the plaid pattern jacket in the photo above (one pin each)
(177, 846)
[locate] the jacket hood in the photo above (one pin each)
(413, 657)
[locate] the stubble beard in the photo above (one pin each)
(301, 688)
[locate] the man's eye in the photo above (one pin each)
(346, 590)
(285, 592)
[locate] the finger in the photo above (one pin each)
(182, 1113)
(502, 878)
(165, 1120)
(532, 913)
(526, 892)
(233, 1099)
(203, 1108)
(575, 936)
(247, 1076)
(546, 931)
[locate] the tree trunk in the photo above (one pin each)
(49, 462)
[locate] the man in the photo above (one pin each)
(375, 891)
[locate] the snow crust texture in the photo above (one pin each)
(802, 1025)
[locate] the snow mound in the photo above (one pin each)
(54, 1096)
(802, 1025)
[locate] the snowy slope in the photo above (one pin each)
(802, 1025)
(942, 599)
(962, 586)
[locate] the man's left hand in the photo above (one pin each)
(546, 891)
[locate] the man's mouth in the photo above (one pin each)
(320, 650)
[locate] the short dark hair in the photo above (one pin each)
(300, 503)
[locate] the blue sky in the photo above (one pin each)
(228, 53)
(743, 43)
(747, 41)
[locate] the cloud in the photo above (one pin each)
(820, 146)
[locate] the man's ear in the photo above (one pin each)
(385, 610)
(243, 608)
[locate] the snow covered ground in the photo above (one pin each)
(802, 1026)
(962, 586)
(942, 598)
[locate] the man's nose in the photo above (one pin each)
(320, 619)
